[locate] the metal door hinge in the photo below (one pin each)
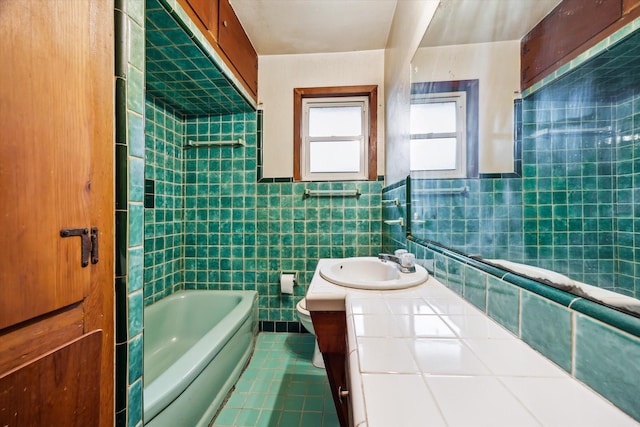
(89, 243)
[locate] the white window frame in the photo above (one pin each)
(460, 98)
(362, 139)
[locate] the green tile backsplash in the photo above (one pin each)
(503, 303)
(601, 355)
(606, 360)
(475, 287)
(536, 314)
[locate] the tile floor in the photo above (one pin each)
(280, 387)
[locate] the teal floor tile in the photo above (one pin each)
(280, 387)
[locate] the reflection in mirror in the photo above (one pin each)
(444, 129)
(567, 214)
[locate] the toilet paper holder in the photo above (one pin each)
(293, 273)
(288, 279)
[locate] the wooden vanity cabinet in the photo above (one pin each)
(220, 25)
(331, 332)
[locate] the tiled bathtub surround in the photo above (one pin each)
(163, 224)
(214, 226)
(241, 234)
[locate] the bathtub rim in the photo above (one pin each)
(168, 386)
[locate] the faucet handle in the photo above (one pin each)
(408, 259)
(400, 252)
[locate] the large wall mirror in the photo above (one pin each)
(556, 182)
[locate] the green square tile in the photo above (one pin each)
(290, 418)
(598, 345)
(134, 405)
(226, 417)
(136, 135)
(247, 418)
(455, 275)
(503, 303)
(475, 287)
(135, 359)
(547, 327)
(135, 313)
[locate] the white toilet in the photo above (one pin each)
(305, 319)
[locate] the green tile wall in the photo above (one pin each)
(487, 219)
(573, 209)
(569, 185)
(241, 234)
(456, 275)
(394, 234)
(215, 227)
(163, 224)
(181, 69)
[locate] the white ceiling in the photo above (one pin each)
(482, 21)
(315, 26)
(321, 26)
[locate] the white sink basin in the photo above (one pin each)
(371, 273)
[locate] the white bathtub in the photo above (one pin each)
(196, 344)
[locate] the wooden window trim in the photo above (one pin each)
(370, 91)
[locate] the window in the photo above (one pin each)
(335, 133)
(438, 143)
(444, 129)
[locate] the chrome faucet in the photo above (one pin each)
(405, 264)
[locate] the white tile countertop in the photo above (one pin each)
(426, 357)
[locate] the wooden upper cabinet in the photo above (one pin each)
(236, 45)
(207, 13)
(220, 25)
(570, 29)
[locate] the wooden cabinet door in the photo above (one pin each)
(236, 45)
(207, 13)
(56, 172)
